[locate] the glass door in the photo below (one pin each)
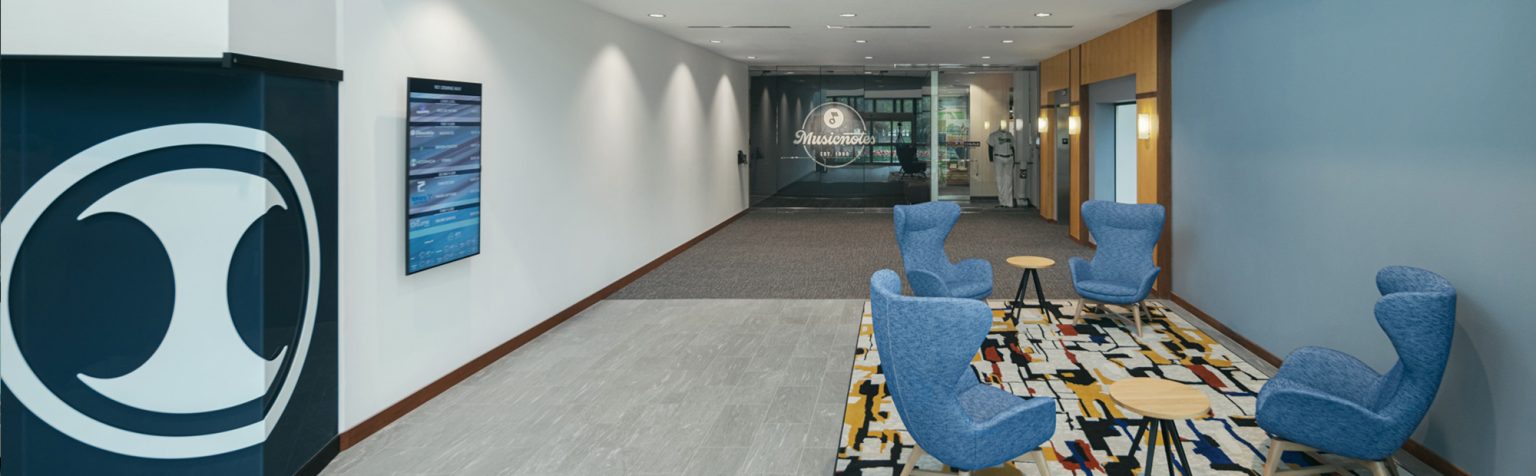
(955, 145)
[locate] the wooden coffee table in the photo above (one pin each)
(1031, 266)
(1162, 402)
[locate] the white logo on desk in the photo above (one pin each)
(201, 364)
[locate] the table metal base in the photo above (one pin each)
(1170, 433)
(1018, 298)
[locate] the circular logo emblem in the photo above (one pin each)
(837, 139)
(200, 366)
(833, 118)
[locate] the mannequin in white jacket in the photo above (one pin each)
(1000, 144)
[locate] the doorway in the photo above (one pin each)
(1125, 153)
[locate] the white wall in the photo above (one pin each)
(301, 31)
(176, 28)
(606, 145)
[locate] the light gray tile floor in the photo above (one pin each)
(640, 387)
(708, 387)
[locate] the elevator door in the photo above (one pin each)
(1063, 164)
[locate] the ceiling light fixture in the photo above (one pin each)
(1007, 42)
(849, 15)
(861, 41)
(716, 41)
(751, 57)
(1043, 14)
(986, 57)
(869, 57)
(657, 15)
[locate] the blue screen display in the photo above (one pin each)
(442, 173)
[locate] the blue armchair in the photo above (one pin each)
(926, 346)
(920, 233)
(1330, 401)
(1122, 271)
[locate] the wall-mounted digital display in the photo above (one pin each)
(442, 209)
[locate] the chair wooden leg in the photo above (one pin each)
(1042, 463)
(1137, 311)
(1378, 468)
(917, 452)
(1272, 462)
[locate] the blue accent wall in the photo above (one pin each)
(1316, 141)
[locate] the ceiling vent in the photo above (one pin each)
(878, 27)
(740, 27)
(1020, 27)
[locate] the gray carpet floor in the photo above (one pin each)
(830, 254)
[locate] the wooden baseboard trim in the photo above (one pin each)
(1424, 454)
(373, 424)
(1434, 460)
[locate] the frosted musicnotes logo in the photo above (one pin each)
(834, 135)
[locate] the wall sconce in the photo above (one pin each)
(1144, 126)
(1074, 125)
(1018, 125)
(1042, 125)
(986, 125)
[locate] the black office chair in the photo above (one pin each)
(910, 166)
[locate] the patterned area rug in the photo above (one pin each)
(1072, 362)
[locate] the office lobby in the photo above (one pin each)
(751, 237)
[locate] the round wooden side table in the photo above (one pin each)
(1162, 402)
(1031, 266)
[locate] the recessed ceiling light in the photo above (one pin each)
(751, 57)
(716, 41)
(1007, 42)
(657, 15)
(849, 15)
(1042, 14)
(861, 41)
(986, 57)
(985, 65)
(869, 57)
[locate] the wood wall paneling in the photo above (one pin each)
(1130, 49)
(1146, 154)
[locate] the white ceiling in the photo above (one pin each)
(951, 40)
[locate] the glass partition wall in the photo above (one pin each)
(854, 137)
(830, 138)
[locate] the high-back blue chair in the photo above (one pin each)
(1333, 402)
(920, 233)
(926, 346)
(1121, 271)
